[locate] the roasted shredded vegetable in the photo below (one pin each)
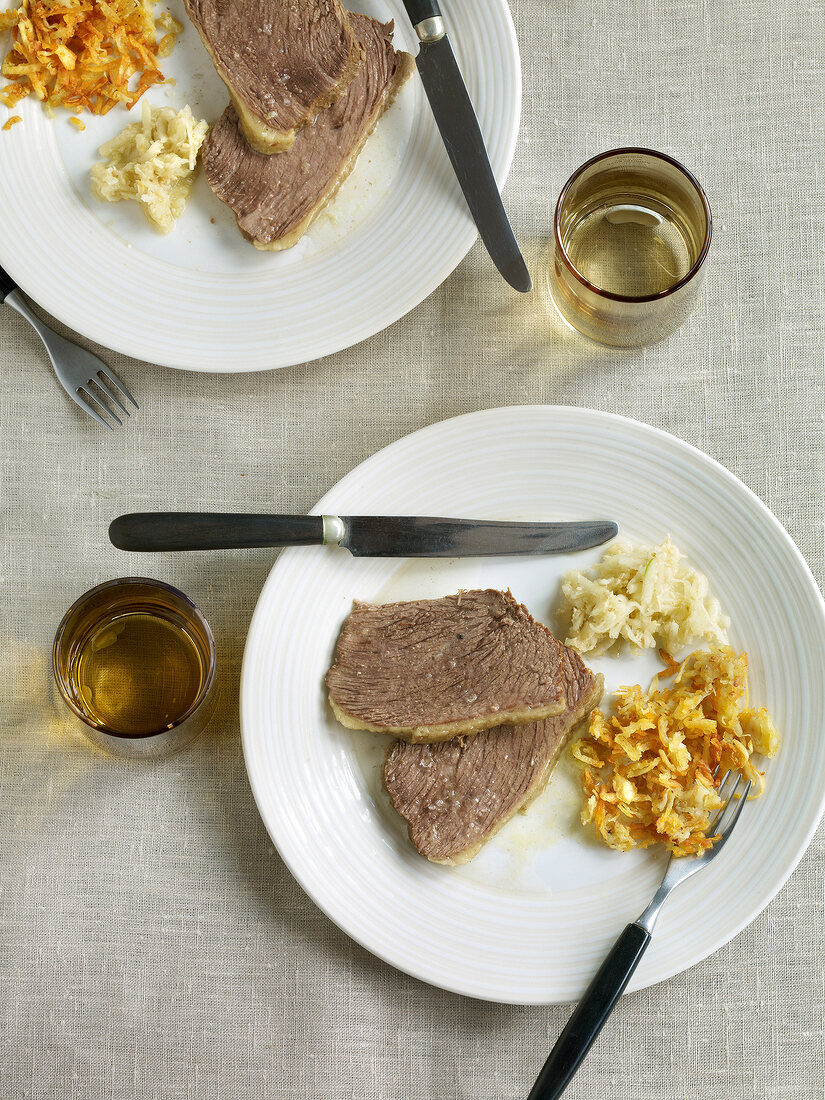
(649, 768)
(83, 54)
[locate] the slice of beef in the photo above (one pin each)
(429, 670)
(283, 61)
(455, 795)
(275, 198)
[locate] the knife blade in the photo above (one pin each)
(457, 123)
(363, 536)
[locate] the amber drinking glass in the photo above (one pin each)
(135, 661)
(631, 235)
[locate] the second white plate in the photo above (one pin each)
(532, 916)
(203, 298)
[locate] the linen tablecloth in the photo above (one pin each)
(153, 945)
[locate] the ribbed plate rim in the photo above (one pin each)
(498, 101)
(423, 440)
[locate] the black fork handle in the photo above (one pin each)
(591, 1014)
(7, 285)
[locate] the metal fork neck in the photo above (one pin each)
(648, 918)
(19, 304)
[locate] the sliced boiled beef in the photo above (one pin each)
(283, 61)
(429, 670)
(457, 794)
(275, 198)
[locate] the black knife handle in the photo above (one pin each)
(7, 285)
(591, 1014)
(419, 10)
(153, 531)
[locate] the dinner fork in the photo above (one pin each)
(609, 983)
(84, 377)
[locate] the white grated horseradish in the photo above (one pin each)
(643, 595)
(152, 162)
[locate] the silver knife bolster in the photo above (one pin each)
(334, 530)
(430, 30)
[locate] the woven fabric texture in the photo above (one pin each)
(152, 944)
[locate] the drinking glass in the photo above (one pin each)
(135, 661)
(631, 235)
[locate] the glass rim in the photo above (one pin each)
(209, 678)
(609, 294)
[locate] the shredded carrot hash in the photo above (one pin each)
(83, 54)
(652, 769)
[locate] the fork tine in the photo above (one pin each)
(109, 376)
(724, 778)
(735, 801)
(724, 792)
(85, 399)
(107, 391)
(726, 829)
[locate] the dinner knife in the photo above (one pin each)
(459, 129)
(363, 536)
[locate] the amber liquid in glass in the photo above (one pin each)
(137, 674)
(630, 248)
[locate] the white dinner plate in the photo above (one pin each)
(203, 298)
(532, 916)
